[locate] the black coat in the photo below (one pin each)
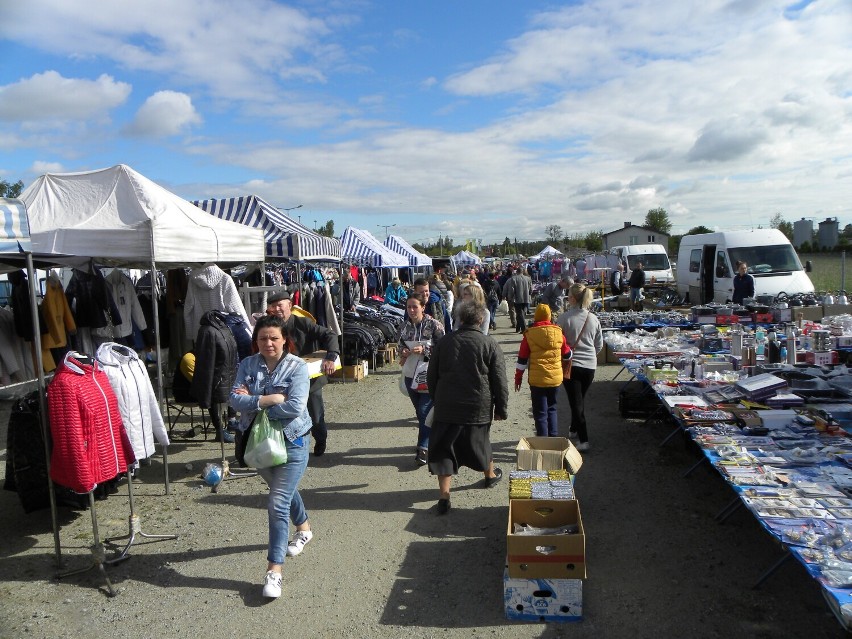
(215, 361)
(90, 300)
(467, 378)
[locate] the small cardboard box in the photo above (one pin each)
(546, 556)
(351, 373)
(548, 453)
(542, 599)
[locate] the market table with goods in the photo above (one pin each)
(770, 408)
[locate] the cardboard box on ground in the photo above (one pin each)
(546, 556)
(542, 599)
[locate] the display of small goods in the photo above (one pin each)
(540, 484)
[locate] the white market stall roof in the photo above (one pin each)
(415, 257)
(120, 217)
(285, 237)
(547, 251)
(465, 258)
(360, 247)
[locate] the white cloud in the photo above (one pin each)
(49, 96)
(40, 168)
(164, 114)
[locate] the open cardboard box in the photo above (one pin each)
(546, 556)
(548, 453)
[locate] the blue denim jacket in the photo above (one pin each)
(289, 377)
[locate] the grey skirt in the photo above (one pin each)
(452, 446)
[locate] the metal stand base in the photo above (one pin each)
(134, 528)
(97, 550)
(787, 555)
(696, 465)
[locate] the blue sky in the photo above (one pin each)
(476, 119)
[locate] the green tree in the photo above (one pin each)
(698, 230)
(11, 190)
(554, 233)
(778, 222)
(594, 240)
(327, 229)
(658, 220)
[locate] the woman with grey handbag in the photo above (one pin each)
(417, 337)
(582, 331)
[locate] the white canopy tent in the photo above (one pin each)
(121, 218)
(465, 258)
(416, 259)
(547, 252)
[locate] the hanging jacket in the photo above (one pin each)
(126, 301)
(58, 318)
(90, 445)
(215, 361)
(241, 332)
(209, 289)
(90, 300)
(140, 411)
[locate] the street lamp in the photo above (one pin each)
(386, 227)
(292, 208)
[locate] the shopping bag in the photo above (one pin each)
(418, 383)
(503, 308)
(403, 388)
(267, 444)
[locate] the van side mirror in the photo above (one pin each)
(808, 266)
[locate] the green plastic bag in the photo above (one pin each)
(267, 445)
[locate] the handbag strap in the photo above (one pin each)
(582, 328)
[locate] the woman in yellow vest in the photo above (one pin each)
(544, 351)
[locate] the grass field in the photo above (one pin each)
(826, 274)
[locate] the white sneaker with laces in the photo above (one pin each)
(300, 540)
(583, 446)
(272, 585)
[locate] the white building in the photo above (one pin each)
(630, 234)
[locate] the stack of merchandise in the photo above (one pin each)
(545, 540)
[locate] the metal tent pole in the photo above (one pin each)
(42, 404)
(155, 291)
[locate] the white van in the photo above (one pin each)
(654, 259)
(707, 265)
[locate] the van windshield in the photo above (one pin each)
(766, 259)
(650, 261)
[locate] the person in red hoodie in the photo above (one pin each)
(544, 352)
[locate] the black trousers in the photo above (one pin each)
(316, 409)
(576, 388)
(520, 317)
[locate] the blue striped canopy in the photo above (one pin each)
(415, 257)
(285, 237)
(15, 236)
(360, 247)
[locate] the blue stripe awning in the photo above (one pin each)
(285, 237)
(360, 247)
(15, 236)
(415, 257)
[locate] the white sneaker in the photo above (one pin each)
(299, 542)
(272, 585)
(583, 446)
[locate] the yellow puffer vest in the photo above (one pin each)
(545, 366)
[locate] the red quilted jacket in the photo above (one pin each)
(90, 444)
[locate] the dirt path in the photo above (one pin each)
(382, 564)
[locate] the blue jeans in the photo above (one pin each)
(422, 405)
(544, 411)
(285, 502)
(492, 308)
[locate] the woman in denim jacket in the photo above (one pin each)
(277, 380)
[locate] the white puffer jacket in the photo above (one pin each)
(137, 402)
(209, 288)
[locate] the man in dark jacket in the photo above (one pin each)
(309, 337)
(636, 282)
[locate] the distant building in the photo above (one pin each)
(631, 234)
(827, 234)
(803, 231)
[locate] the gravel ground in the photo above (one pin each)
(382, 564)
